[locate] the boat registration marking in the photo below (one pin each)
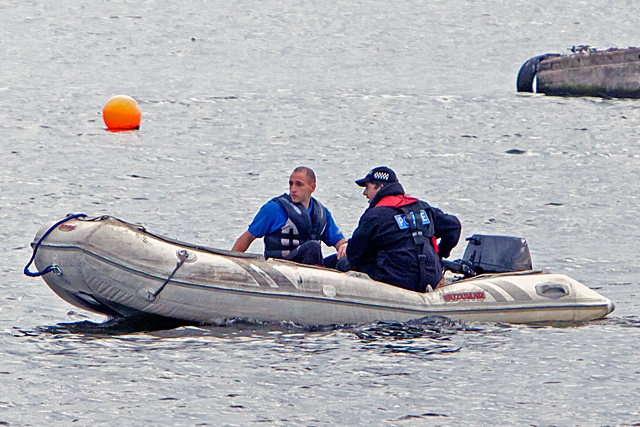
(464, 296)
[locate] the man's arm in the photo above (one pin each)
(447, 229)
(269, 218)
(331, 233)
(360, 240)
(243, 242)
(341, 247)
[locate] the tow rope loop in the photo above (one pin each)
(52, 267)
(183, 255)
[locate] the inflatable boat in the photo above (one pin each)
(119, 269)
(611, 73)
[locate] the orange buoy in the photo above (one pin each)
(122, 112)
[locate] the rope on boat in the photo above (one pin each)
(183, 255)
(52, 267)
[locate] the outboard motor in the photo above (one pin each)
(492, 254)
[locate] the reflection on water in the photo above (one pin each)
(426, 336)
(626, 321)
(116, 326)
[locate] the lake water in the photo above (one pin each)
(235, 95)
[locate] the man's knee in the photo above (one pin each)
(344, 264)
(307, 253)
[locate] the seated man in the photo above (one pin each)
(396, 238)
(294, 224)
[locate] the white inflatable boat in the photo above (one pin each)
(118, 269)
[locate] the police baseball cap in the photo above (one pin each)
(380, 174)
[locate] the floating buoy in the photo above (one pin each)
(121, 112)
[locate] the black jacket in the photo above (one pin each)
(383, 247)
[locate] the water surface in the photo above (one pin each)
(234, 96)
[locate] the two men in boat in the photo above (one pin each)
(294, 224)
(396, 240)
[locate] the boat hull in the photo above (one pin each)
(613, 73)
(118, 269)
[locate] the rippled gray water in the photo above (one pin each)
(236, 94)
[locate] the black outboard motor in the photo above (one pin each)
(492, 254)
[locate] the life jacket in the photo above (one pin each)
(299, 228)
(417, 217)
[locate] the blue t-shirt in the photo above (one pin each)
(271, 217)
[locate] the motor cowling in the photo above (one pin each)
(492, 254)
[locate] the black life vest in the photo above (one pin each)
(299, 228)
(418, 217)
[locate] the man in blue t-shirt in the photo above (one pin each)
(294, 224)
